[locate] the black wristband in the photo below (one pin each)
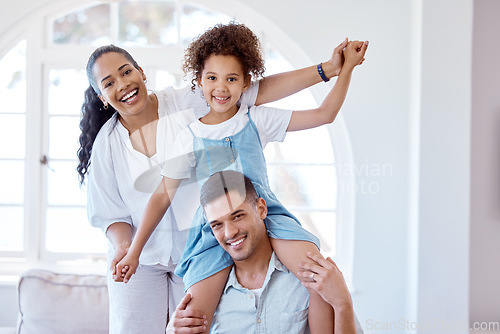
(321, 73)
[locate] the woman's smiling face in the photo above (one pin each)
(120, 83)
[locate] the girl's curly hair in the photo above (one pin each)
(232, 39)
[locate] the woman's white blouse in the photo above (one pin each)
(121, 180)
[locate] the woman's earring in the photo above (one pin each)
(146, 84)
(104, 103)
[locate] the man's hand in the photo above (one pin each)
(187, 321)
(327, 280)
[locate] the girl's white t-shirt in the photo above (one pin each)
(121, 180)
(271, 124)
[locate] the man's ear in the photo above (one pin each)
(261, 208)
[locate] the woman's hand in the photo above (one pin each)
(120, 252)
(186, 321)
(327, 280)
(120, 235)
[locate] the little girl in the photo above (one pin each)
(233, 136)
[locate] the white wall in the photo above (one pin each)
(485, 165)
(376, 113)
(409, 106)
(444, 165)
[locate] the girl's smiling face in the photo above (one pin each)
(120, 83)
(223, 81)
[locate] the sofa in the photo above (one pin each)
(52, 303)
(61, 303)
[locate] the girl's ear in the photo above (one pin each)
(248, 81)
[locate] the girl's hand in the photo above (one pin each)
(186, 321)
(327, 281)
(354, 53)
(333, 66)
(126, 267)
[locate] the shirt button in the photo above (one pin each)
(258, 321)
(227, 139)
(250, 296)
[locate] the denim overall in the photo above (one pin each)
(203, 256)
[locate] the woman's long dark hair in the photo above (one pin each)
(94, 115)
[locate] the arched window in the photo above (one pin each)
(42, 206)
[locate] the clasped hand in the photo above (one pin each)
(123, 265)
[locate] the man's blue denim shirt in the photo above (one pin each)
(282, 306)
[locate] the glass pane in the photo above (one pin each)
(165, 79)
(66, 91)
(12, 136)
(304, 186)
(63, 137)
(63, 186)
(12, 181)
(323, 225)
(13, 80)
(309, 146)
(69, 231)
(276, 63)
(195, 20)
(86, 26)
(147, 22)
(11, 228)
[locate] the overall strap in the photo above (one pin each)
(191, 130)
(209, 162)
(254, 127)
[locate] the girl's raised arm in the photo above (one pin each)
(281, 85)
(306, 119)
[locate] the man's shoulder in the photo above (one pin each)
(284, 280)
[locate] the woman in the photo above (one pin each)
(123, 130)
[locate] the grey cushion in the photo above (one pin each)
(62, 303)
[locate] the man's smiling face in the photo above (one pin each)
(237, 224)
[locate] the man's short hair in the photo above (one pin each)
(220, 183)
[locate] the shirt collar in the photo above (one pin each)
(274, 265)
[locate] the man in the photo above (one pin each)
(261, 295)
